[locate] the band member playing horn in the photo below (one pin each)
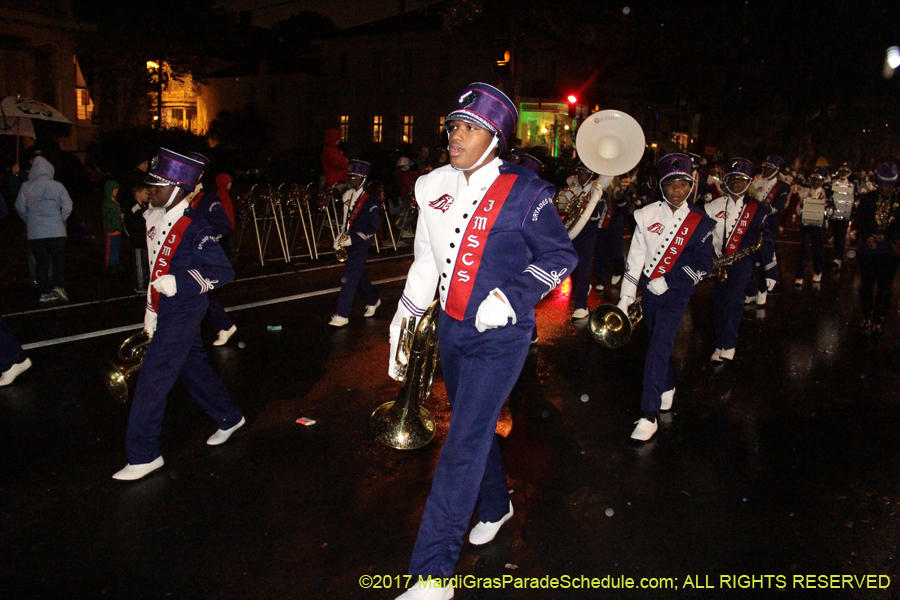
(841, 203)
(583, 194)
(774, 193)
(671, 252)
(740, 222)
(362, 216)
(878, 225)
(812, 225)
(611, 231)
(492, 244)
(186, 262)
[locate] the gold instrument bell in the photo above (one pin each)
(119, 375)
(610, 327)
(403, 423)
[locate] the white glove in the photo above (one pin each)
(346, 242)
(624, 303)
(770, 284)
(658, 286)
(166, 285)
(394, 371)
(493, 312)
(150, 322)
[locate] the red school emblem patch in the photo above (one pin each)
(656, 228)
(443, 203)
(152, 233)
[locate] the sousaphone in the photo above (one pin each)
(609, 142)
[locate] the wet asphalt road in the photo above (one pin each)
(784, 464)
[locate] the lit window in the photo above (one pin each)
(345, 128)
(408, 129)
(83, 104)
(376, 128)
(440, 125)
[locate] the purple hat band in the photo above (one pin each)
(171, 168)
(886, 174)
(531, 163)
(359, 167)
(740, 167)
(486, 106)
(773, 160)
(675, 166)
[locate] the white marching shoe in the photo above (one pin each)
(483, 532)
(224, 336)
(338, 321)
(222, 435)
(645, 430)
(580, 313)
(14, 371)
(761, 298)
(371, 308)
(749, 299)
(426, 593)
(135, 472)
(615, 279)
(666, 399)
(817, 277)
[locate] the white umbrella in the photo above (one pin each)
(17, 117)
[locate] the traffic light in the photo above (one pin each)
(572, 100)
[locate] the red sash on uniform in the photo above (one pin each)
(164, 258)
(469, 259)
(607, 217)
(356, 209)
(770, 197)
(741, 228)
(670, 256)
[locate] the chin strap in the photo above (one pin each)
(677, 206)
(487, 152)
(731, 191)
(188, 198)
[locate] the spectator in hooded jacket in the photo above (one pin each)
(112, 225)
(334, 163)
(44, 205)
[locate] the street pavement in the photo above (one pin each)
(780, 467)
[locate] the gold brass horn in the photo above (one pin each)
(119, 375)
(611, 327)
(403, 423)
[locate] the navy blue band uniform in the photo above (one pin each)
(775, 193)
(733, 219)
(812, 235)
(586, 239)
(207, 204)
(520, 253)
(364, 216)
(611, 234)
(656, 228)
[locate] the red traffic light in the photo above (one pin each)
(572, 99)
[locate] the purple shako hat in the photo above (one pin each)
(359, 168)
(675, 166)
(580, 166)
(486, 106)
(773, 160)
(171, 168)
(740, 167)
(847, 165)
(820, 172)
(531, 163)
(886, 174)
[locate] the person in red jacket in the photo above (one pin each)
(334, 163)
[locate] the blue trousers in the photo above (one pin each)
(810, 237)
(728, 303)
(760, 274)
(608, 250)
(480, 370)
(11, 352)
(581, 277)
(216, 316)
(839, 230)
(354, 279)
(176, 352)
(662, 316)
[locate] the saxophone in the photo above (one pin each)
(721, 264)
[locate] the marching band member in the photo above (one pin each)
(671, 252)
(611, 232)
(492, 244)
(878, 224)
(362, 215)
(185, 264)
(208, 204)
(583, 185)
(740, 220)
(773, 193)
(812, 228)
(533, 164)
(842, 203)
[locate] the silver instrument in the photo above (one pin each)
(842, 197)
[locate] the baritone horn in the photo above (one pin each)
(610, 327)
(610, 143)
(119, 374)
(403, 423)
